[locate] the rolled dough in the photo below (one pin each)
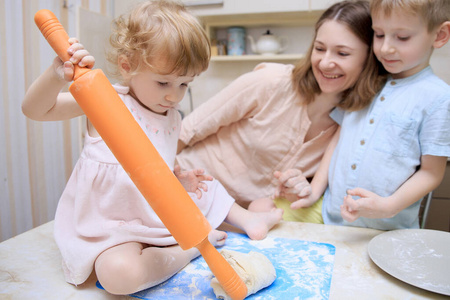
(254, 268)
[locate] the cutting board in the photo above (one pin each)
(303, 268)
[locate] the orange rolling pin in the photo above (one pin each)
(137, 155)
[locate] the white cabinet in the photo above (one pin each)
(290, 24)
(283, 17)
(232, 7)
(294, 18)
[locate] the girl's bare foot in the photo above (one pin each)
(255, 224)
(258, 224)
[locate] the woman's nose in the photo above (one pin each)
(327, 61)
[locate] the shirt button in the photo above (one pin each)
(371, 121)
(382, 98)
(353, 167)
(393, 83)
(362, 142)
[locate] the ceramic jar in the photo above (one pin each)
(236, 41)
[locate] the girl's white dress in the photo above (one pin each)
(101, 207)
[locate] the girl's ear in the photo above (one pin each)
(442, 35)
(124, 67)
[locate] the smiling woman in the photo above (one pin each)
(338, 58)
(276, 118)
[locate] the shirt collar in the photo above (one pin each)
(411, 79)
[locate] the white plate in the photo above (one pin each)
(420, 257)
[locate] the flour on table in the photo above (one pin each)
(254, 268)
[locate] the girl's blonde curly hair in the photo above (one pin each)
(160, 30)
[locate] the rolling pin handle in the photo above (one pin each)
(230, 281)
(56, 36)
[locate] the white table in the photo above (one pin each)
(30, 266)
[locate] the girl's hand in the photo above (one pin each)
(369, 205)
(192, 180)
(79, 56)
(293, 186)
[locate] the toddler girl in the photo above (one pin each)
(102, 220)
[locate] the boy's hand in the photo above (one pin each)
(369, 205)
(192, 180)
(293, 186)
(79, 56)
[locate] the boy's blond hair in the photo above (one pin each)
(160, 30)
(434, 12)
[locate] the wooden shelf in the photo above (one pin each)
(219, 23)
(275, 57)
(290, 18)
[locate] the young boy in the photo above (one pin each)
(392, 154)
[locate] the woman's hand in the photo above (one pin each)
(79, 56)
(369, 205)
(192, 180)
(294, 186)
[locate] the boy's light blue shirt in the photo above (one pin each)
(380, 147)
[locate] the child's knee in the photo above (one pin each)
(119, 276)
